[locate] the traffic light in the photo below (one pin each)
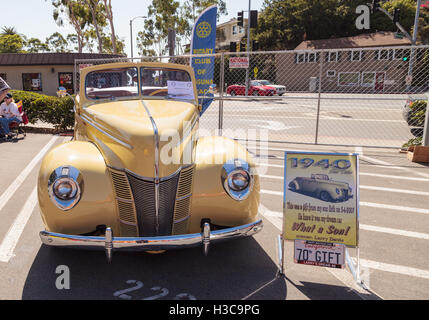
(396, 15)
(255, 45)
(240, 19)
(233, 46)
(375, 5)
(253, 18)
(242, 46)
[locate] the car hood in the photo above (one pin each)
(138, 134)
(277, 86)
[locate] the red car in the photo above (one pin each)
(240, 90)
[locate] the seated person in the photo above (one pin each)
(9, 113)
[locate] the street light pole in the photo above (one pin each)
(248, 48)
(131, 33)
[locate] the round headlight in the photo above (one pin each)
(65, 189)
(238, 180)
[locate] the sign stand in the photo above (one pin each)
(327, 160)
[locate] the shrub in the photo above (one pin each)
(417, 112)
(48, 109)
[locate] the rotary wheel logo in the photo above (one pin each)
(203, 29)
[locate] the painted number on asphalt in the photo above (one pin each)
(163, 292)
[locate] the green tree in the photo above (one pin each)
(98, 20)
(57, 43)
(76, 13)
(162, 15)
(34, 45)
(108, 14)
(11, 43)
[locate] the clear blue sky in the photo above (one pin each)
(33, 18)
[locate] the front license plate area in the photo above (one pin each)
(322, 254)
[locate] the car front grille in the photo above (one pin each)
(136, 204)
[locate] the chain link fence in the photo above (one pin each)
(352, 97)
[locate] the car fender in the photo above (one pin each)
(97, 203)
(210, 200)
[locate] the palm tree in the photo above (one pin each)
(8, 31)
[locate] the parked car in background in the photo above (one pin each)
(119, 186)
(413, 112)
(280, 90)
(320, 186)
(254, 90)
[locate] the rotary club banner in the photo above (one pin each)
(203, 42)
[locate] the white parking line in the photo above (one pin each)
(392, 177)
(11, 239)
(364, 204)
(5, 197)
(420, 193)
(391, 166)
(407, 271)
(397, 232)
(392, 207)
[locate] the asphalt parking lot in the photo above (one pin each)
(394, 234)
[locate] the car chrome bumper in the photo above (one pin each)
(110, 243)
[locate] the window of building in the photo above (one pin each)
(348, 78)
(331, 73)
(300, 58)
(383, 54)
(32, 81)
(312, 57)
(368, 79)
(332, 56)
(401, 53)
(234, 29)
(356, 55)
(65, 79)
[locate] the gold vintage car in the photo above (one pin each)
(136, 175)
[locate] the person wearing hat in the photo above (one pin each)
(4, 88)
(9, 113)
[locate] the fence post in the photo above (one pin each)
(222, 84)
(321, 57)
(425, 138)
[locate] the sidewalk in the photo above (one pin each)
(42, 127)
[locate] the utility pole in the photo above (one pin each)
(248, 47)
(413, 41)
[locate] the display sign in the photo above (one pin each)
(321, 197)
(239, 62)
(181, 89)
(320, 254)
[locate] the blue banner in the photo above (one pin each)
(203, 42)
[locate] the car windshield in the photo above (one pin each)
(166, 82)
(264, 82)
(111, 83)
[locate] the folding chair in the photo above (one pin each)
(16, 127)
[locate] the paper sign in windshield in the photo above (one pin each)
(181, 90)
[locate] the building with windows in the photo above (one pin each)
(367, 63)
(228, 32)
(42, 72)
